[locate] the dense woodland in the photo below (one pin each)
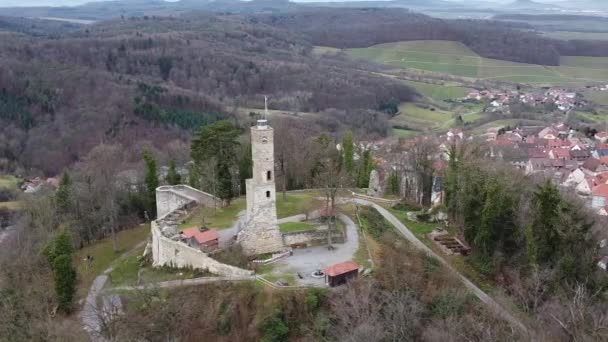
(153, 80)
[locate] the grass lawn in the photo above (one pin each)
(296, 203)
(126, 272)
(103, 255)
(217, 218)
(290, 227)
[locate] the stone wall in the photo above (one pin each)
(167, 252)
(172, 197)
(311, 238)
(173, 203)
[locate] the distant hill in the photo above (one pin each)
(528, 4)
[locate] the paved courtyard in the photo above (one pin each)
(307, 260)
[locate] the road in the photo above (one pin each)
(484, 297)
(91, 314)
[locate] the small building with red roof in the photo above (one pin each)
(202, 238)
(341, 273)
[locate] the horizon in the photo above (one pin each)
(73, 3)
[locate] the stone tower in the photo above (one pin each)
(260, 233)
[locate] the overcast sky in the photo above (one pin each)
(7, 3)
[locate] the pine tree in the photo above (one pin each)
(151, 182)
(224, 185)
(63, 196)
(59, 255)
(173, 177)
(542, 235)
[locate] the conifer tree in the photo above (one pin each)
(348, 148)
(59, 255)
(63, 196)
(151, 182)
(173, 177)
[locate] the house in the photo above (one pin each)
(602, 136)
(548, 133)
(593, 167)
(574, 178)
(201, 238)
(559, 153)
(338, 274)
(535, 165)
(585, 187)
(599, 197)
(603, 263)
(580, 155)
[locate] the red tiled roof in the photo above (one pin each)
(341, 268)
(592, 164)
(561, 153)
(201, 237)
(600, 190)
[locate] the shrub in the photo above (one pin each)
(274, 328)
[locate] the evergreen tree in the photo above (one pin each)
(542, 235)
(349, 153)
(224, 185)
(173, 177)
(217, 142)
(393, 183)
(497, 218)
(65, 281)
(151, 182)
(451, 181)
(59, 255)
(245, 166)
(63, 196)
(365, 168)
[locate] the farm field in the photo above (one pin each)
(596, 96)
(456, 59)
(437, 91)
(419, 118)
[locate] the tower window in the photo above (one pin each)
(269, 175)
(267, 194)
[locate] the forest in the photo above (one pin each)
(156, 79)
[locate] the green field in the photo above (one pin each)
(416, 117)
(456, 59)
(437, 91)
(404, 133)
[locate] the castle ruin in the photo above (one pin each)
(260, 233)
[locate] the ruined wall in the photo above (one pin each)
(167, 252)
(173, 204)
(170, 198)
